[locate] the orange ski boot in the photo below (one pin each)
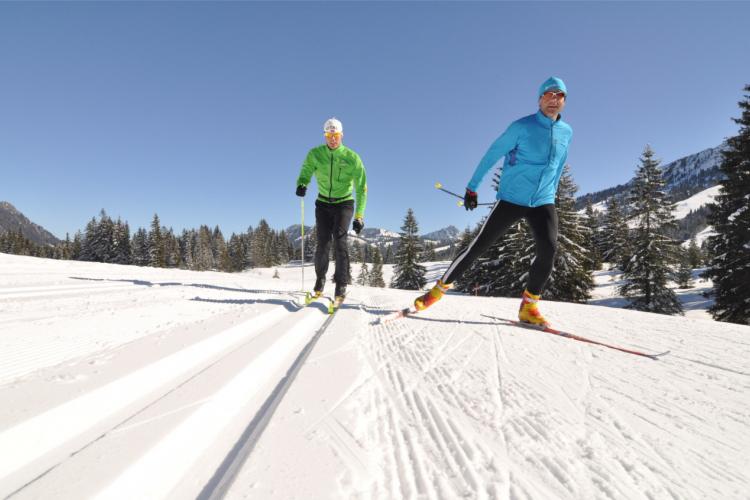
(529, 310)
(436, 293)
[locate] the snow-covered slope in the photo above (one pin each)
(126, 382)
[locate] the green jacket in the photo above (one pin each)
(337, 171)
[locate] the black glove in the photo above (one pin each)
(358, 224)
(470, 199)
(301, 190)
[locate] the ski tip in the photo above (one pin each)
(438, 185)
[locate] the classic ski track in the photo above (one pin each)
(427, 431)
(34, 358)
(160, 393)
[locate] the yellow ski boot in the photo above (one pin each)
(436, 293)
(529, 311)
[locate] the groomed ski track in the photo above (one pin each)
(159, 384)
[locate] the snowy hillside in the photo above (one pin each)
(127, 382)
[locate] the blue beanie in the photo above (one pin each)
(553, 83)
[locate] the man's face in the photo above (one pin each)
(552, 103)
(333, 139)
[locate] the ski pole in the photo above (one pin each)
(460, 203)
(302, 250)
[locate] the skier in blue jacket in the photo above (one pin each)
(535, 149)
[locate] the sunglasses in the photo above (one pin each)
(550, 94)
(329, 135)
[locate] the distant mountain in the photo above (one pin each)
(684, 178)
(11, 219)
(442, 236)
(691, 182)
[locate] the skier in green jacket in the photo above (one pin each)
(337, 170)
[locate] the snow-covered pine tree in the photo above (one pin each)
(695, 254)
(507, 269)
(504, 268)
(594, 240)
(90, 236)
(364, 275)
(571, 278)
(104, 243)
(140, 246)
(247, 244)
(172, 255)
(203, 258)
(75, 251)
(376, 272)
(236, 253)
(311, 243)
(428, 255)
(472, 276)
(261, 245)
(616, 234)
(157, 257)
(649, 269)
(684, 276)
(408, 274)
(123, 253)
(729, 248)
(187, 243)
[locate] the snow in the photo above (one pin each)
(683, 208)
(128, 382)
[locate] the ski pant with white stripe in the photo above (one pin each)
(543, 223)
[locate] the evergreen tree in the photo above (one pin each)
(172, 255)
(684, 275)
(236, 253)
(472, 277)
(104, 240)
(262, 244)
(311, 243)
(571, 278)
(140, 248)
(88, 252)
(507, 270)
(695, 254)
(203, 259)
(593, 240)
(75, 251)
(429, 253)
(376, 272)
(123, 253)
(364, 275)
(618, 248)
(186, 242)
(157, 256)
(408, 273)
(729, 265)
(648, 271)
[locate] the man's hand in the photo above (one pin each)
(358, 224)
(301, 190)
(470, 199)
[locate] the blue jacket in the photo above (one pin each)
(535, 149)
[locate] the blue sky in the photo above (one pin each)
(203, 112)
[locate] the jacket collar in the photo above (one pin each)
(546, 120)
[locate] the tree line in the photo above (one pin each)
(635, 236)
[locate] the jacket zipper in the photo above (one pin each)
(549, 159)
(330, 185)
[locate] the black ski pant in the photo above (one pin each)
(332, 223)
(543, 223)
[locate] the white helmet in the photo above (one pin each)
(333, 125)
